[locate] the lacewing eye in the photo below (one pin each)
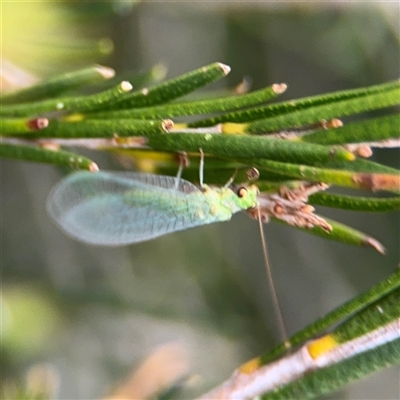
(242, 192)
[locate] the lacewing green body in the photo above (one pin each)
(119, 208)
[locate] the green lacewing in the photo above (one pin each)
(119, 208)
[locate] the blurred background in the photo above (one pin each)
(188, 308)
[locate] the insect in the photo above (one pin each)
(119, 208)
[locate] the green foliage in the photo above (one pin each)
(353, 306)
(332, 378)
(292, 144)
(206, 106)
(365, 340)
(340, 99)
(371, 310)
(57, 85)
(138, 119)
(371, 130)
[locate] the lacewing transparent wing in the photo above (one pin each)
(119, 208)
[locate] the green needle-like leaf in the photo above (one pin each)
(196, 107)
(362, 165)
(172, 89)
(290, 106)
(81, 103)
(351, 307)
(297, 119)
(102, 128)
(370, 325)
(246, 146)
(370, 130)
(59, 84)
(366, 341)
(17, 126)
(333, 378)
(389, 180)
(355, 203)
(42, 155)
(370, 318)
(138, 79)
(345, 234)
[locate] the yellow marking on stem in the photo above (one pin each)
(180, 126)
(350, 156)
(250, 366)
(147, 161)
(74, 117)
(321, 346)
(232, 128)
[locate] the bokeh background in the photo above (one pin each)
(190, 307)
